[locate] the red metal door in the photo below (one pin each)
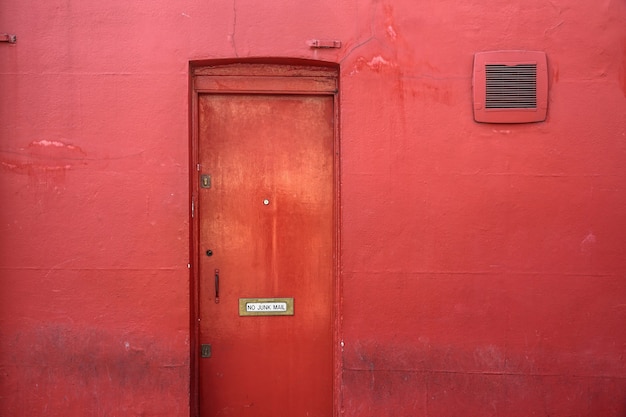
(265, 232)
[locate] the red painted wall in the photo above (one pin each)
(483, 266)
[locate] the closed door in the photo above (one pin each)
(265, 210)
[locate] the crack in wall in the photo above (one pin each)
(234, 29)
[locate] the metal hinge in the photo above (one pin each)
(205, 351)
(193, 208)
(5, 37)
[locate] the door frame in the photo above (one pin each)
(263, 77)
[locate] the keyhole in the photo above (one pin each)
(209, 253)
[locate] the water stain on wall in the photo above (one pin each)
(70, 367)
(43, 158)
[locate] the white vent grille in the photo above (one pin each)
(511, 86)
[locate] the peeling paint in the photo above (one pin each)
(48, 158)
(588, 242)
(53, 143)
(376, 64)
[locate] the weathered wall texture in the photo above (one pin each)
(483, 266)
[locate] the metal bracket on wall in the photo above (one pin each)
(5, 37)
(324, 44)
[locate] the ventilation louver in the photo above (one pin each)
(510, 87)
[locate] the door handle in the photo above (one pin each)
(217, 286)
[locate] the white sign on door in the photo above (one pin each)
(266, 306)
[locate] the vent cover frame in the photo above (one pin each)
(510, 85)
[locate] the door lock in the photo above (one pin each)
(205, 181)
